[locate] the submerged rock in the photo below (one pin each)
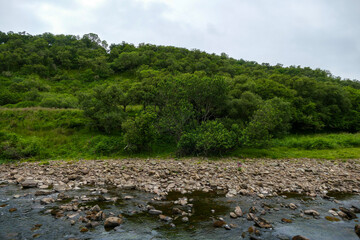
(219, 223)
(357, 230)
(299, 237)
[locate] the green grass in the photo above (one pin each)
(43, 133)
(285, 152)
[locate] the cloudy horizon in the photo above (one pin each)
(319, 34)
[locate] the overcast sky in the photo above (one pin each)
(317, 33)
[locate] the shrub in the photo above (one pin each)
(271, 119)
(210, 138)
(106, 145)
(140, 131)
(15, 147)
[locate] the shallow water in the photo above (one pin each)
(138, 224)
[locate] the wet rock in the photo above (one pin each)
(251, 217)
(238, 211)
(357, 230)
(95, 208)
(343, 215)
(12, 210)
(262, 223)
(292, 206)
(233, 215)
(312, 213)
(355, 209)
(253, 209)
(285, 220)
(128, 197)
(332, 219)
(84, 229)
(155, 212)
(43, 192)
(29, 183)
(231, 193)
(176, 211)
(16, 196)
(219, 223)
(333, 212)
(112, 222)
(185, 219)
(227, 227)
(45, 201)
(92, 224)
(299, 237)
(350, 214)
(100, 216)
(165, 218)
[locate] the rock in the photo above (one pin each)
(112, 222)
(95, 208)
(253, 209)
(251, 229)
(233, 215)
(238, 211)
(29, 183)
(72, 222)
(84, 229)
(16, 196)
(227, 227)
(292, 206)
(100, 216)
(285, 220)
(332, 219)
(43, 192)
(176, 211)
(312, 213)
(251, 217)
(262, 223)
(231, 193)
(165, 218)
(355, 209)
(155, 212)
(357, 230)
(343, 215)
(350, 214)
(333, 212)
(128, 197)
(74, 177)
(185, 219)
(219, 224)
(46, 201)
(299, 237)
(12, 210)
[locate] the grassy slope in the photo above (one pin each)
(62, 134)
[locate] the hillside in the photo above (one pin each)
(139, 99)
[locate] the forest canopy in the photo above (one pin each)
(203, 103)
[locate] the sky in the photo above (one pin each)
(311, 33)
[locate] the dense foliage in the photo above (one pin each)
(139, 96)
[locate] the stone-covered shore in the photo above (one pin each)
(262, 177)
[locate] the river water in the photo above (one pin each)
(24, 223)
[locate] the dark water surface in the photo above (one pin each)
(138, 224)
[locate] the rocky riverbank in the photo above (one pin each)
(262, 177)
(177, 197)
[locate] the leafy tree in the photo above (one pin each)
(102, 107)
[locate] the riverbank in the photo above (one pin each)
(262, 177)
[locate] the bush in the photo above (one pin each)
(106, 145)
(210, 138)
(15, 147)
(140, 132)
(271, 119)
(59, 101)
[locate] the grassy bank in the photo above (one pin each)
(42, 133)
